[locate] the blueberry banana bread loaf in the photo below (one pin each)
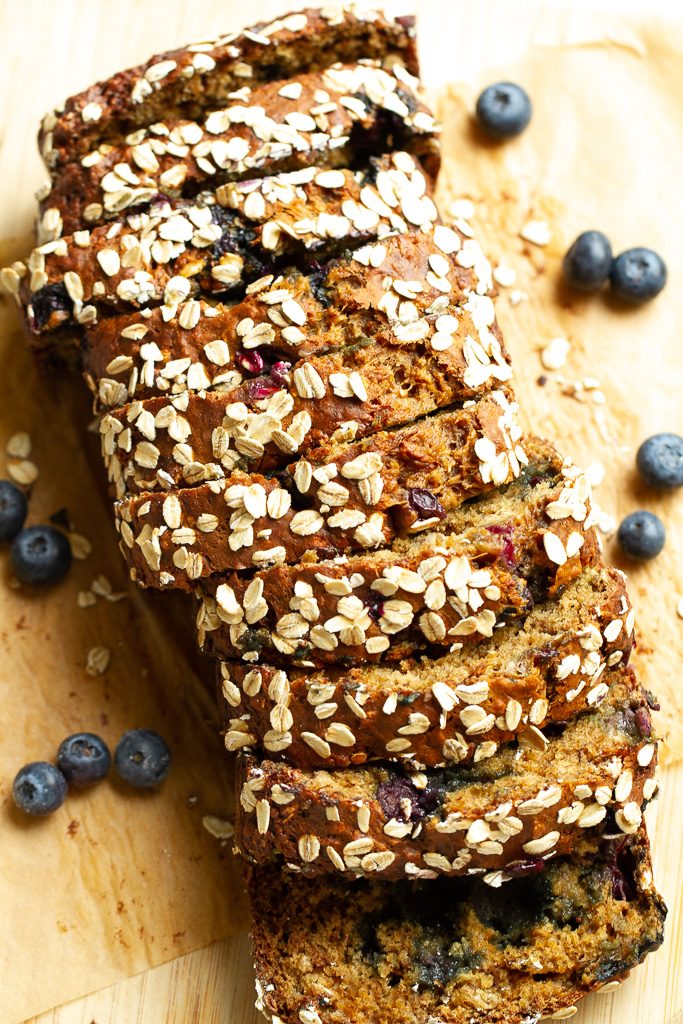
(529, 799)
(378, 606)
(455, 950)
(409, 288)
(332, 118)
(456, 708)
(248, 520)
(220, 241)
(425, 593)
(189, 439)
(186, 83)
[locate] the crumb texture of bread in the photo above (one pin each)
(308, 421)
(454, 950)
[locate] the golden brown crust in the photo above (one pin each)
(545, 672)
(515, 804)
(189, 81)
(266, 421)
(358, 298)
(270, 129)
(217, 243)
(174, 539)
(380, 494)
(431, 592)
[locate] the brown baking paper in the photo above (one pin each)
(117, 882)
(604, 150)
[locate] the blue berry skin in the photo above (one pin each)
(39, 788)
(588, 261)
(142, 758)
(638, 275)
(40, 556)
(641, 535)
(83, 759)
(13, 509)
(660, 461)
(503, 110)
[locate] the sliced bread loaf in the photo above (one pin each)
(268, 129)
(455, 951)
(409, 288)
(529, 799)
(456, 708)
(194, 79)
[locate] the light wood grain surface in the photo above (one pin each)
(53, 49)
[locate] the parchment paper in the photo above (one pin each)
(117, 882)
(604, 150)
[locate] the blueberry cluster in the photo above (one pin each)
(142, 759)
(40, 555)
(660, 463)
(635, 275)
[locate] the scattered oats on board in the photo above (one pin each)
(504, 275)
(554, 354)
(462, 209)
(517, 296)
(97, 661)
(537, 232)
(595, 473)
(80, 545)
(19, 445)
(219, 828)
(24, 472)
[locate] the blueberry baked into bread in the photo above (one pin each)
(308, 423)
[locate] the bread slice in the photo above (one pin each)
(375, 606)
(187, 82)
(424, 594)
(454, 951)
(532, 799)
(218, 242)
(272, 128)
(263, 423)
(456, 708)
(250, 521)
(386, 292)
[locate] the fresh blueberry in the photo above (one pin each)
(660, 460)
(83, 759)
(39, 788)
(641, 535)
(588, 261)
(638, 275)
(40, 556)
(504, 110)
(13, 509)
(142, 758)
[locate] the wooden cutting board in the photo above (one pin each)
(52, 50)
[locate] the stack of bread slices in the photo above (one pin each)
(308, 422)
